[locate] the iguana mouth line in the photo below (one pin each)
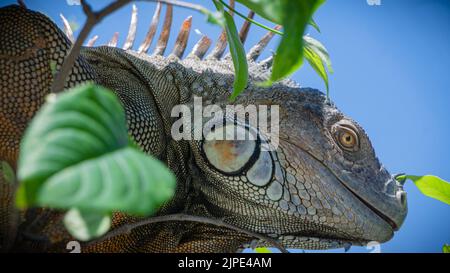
(384, 217)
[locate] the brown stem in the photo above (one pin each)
(93, 18)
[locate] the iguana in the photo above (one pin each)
(322, 188)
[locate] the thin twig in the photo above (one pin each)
(93, 18)
(126, 228)
(181, 4)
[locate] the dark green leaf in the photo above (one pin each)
(85, 225)
(77, 153)
(237, 53)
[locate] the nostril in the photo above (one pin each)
(401, 197)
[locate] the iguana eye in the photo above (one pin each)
(227, 153)
(346, 136)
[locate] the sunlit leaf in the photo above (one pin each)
(431, 186)
(317, 56)
(262, 250)
(446, 248)
(76, 153)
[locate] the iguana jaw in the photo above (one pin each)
(385, 225)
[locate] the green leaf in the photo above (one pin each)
(319, 49)
(268, 9)
(76, 153)
(317, 56)
(262, 250)
(289, 54)
(7, 171)
(446, 248)
(216, 18)
(237, 53)
(431, 186)
(84, 225)
(314, 24)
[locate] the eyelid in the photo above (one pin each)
(346, 126)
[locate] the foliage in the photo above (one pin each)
(76, 153)
(237, 53)
(294, 16)
(446, 248)
(262, 250)
(431, 186)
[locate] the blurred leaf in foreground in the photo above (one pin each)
(76, 154)
(446, 248)
(84, 225)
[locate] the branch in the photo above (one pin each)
(180, 4)
(126, 228)
(93, 18)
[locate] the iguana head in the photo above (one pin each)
(322, 187)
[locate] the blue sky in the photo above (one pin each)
(390, 64)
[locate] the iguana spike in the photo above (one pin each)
(266, 63)
(257, 49)
(220, 47)
(246, 27)
(143, 48)
(183, 35)
(221, 44)
(21, 3)
(132, 30)
(67, 29)
(91, 41)
(201, 47)
(113, 41)
(164, 37)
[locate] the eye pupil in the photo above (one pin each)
(346, 137)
